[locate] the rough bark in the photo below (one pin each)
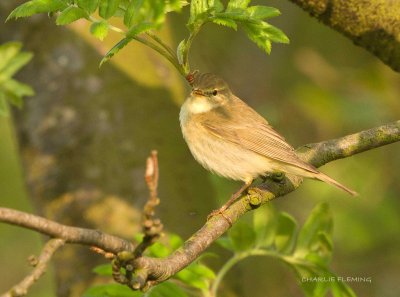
(371, 24)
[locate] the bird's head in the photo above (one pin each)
(208, 91)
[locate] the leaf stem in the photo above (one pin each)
(237, 257)
(163, 52)
(162, 43)
(189, 42)
(224, 270)
(162, 48)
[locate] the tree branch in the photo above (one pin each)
(373, 25)
(154, 270)
(316, 154)
(40, 265)
(70, 234)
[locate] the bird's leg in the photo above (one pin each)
(233, 198)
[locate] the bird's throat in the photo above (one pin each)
(199, 104)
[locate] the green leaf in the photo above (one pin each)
(265, 223)
(104, 269)
(322, 248)
(226, 243)
(132, 12)
(175, 241)
(312, 287)
(256, 34)
(120, 12)
(317, 283)
(12, 65)
(111, 290)
(11, 60)
(138, 237)
(115, 49)
(99, 29)
(196, 275)
(36, 6)
(262, 12)
(242, 235)
(8, 51)
(239, 15)
(198, 7)
(175, 5)
(203, 271)
(17, 88)
(107, 8)
(89, 6)
(158, 250)
(319, 221)
(227, 22)
(3, 105)
(237, 4)
(286, 233)
(275, 34)
(341, 289)
(218, 6)
(14, 99)
(166, 289)
(70, 14)
(157, 11)
(250, 18)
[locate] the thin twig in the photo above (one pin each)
(151, 226)
(21, 289)
(106, 242)
(107, 255)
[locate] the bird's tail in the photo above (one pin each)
(323, 177)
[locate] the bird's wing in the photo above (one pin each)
(255, 134)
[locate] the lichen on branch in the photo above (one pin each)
(373, 25)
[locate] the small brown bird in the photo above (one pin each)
(231, 139)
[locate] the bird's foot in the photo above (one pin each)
(277, 177)
(233, 198)
(220, 212)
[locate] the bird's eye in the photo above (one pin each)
(215, 92)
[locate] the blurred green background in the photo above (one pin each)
(319, 87)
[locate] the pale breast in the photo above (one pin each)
(224, 158)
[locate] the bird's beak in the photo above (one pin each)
(197, 92)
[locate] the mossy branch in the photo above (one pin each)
(157, 270)
(373, 25)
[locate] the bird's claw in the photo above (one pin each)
(220, 212)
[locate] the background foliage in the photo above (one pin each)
(330, 94)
